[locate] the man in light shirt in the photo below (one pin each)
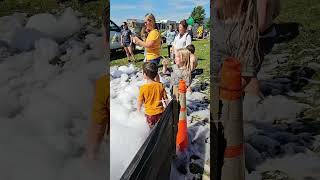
(170, 35)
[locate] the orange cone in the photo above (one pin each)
(230, 93)
(182, 136)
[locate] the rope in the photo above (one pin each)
(249, 34)
(247, 23)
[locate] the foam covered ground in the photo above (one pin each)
(45, 107)
(129, 128)
(281, 144)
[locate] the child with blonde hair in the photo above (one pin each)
(181, 70)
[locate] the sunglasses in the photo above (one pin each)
(148, 20)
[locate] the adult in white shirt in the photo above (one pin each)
(183, 39)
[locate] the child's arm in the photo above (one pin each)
(139, 105)
(165, 97)
(189, 89)
(165, 63)
(194, 62)
(140, 100)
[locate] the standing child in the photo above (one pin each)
(180, 70)
(193, 57)
(151, 94)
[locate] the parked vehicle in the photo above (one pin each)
(115, 36)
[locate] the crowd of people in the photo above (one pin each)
(180, 54)
(181, 50)
(181, 61)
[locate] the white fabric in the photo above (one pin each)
(182, 42)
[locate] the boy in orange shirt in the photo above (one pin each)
(151, 94)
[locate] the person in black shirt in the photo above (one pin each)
(126, 41)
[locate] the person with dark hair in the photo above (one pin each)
(193, 57)
(126, 41)
(152, 94)
(170, 34)
(183, 39)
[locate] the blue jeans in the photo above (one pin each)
(156, 61)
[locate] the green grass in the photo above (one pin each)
(306, 13)
(202, 52)
(302, 49)
(92, 10)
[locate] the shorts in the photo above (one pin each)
(153, 119)
(156, 61)
(126, 44)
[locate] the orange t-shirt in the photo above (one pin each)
(151, 95)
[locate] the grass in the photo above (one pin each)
(302, 49)
(202, 52)
(306, 13)
(92, 9)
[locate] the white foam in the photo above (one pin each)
(129, 128)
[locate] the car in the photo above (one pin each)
(115, 36)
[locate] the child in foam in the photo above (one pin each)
(152, 94)
(180, 70)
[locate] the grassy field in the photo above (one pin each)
(202, 52)
(307, 14)
(305, 47)
(90, 9)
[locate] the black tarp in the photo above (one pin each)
(153, 160)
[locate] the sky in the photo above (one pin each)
(176, 10)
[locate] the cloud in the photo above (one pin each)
(166, 9)
(121, 7)
(201, 2)
(190, 3)
(179, 6)
(174, 16)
